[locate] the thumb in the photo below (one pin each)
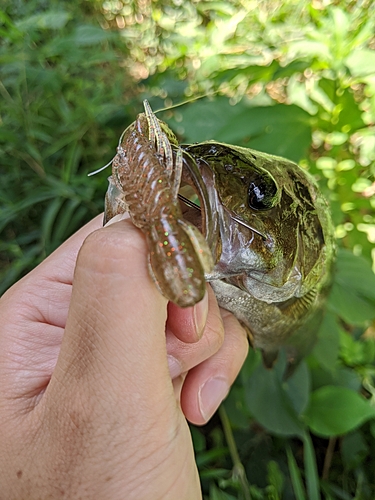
(114, 341)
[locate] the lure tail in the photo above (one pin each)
(178, 260)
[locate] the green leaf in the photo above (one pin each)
(340, 376)
(311, 470)
(353, 449)
(350, 114)
(87, 35)
(295, 476)
(202, 120)
(361, 62)
(353, 291)
(350, 306)
(336, 410)
(236, 409)
(52, 20)
(198, 439)
(216, 494)
(308, 49)
(297, 387)
(275, 479)
(326, 350)
(269, 403)
(280, 130)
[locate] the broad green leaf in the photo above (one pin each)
(336, 410)
(327, 347)
(281, 130)
(353, 291)
(201, 120)
(350, 116)
(297, 387)
(269, 403)
(340, 376)
(236, 409)
(253, 359)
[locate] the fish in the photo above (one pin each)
(272, 239)
(266, 226)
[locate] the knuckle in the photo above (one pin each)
(214, 334)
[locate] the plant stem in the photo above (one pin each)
(328, 457)
(238, 468)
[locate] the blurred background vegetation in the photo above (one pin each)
(288, 77)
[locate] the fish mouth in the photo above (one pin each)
(201, 206)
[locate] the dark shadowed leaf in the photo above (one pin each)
(280, 130)
(353, 291)
(327, 347)
(268, 402)
(297, 387)
(89, 35)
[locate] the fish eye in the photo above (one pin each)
(262, 192)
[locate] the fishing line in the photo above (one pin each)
(193, 99)
(188, 202)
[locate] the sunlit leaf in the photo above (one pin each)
(361, 62)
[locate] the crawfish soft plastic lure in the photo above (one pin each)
(146, 176)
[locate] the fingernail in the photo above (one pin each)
(200, 312)
(210, 395)
(175, 368)
(117, 218)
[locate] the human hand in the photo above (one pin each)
(94, 413)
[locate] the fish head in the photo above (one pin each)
(270, 224)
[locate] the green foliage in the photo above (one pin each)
(294, 79)
(62, 94)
